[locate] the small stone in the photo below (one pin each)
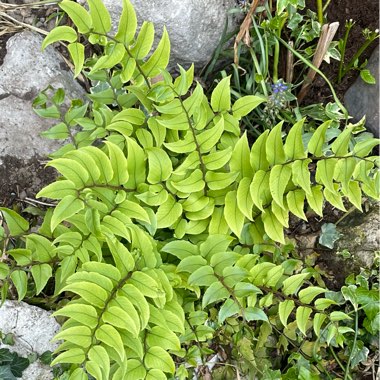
(363, 99)
(194, 26)
(32, 329)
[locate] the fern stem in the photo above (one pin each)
(346, 373)
(337, 358)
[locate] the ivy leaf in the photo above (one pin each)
(367, 76)
(18, 365)
(329, 235)
(60, 33)
(17, 225)
(6, 373)
(221, 96)
(302, 317)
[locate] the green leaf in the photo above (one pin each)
(323, 303)
(41, 274)
(295, 201)
(228, 309)
(325, 172)
(123, 316)
(111, 337)
(135, 370)
(272, 226)
(259, 188)
(59, 33)
(159, 59)
(284, 310)
(16, 224)
(329, 235)
(341, 143)
(240, 158)
(317, 323)
(367, 76)
(278, 181)
(72, 170)
(99, 355)
(218, 159)
(232, 214)
(71, 356)
(363, 148)
(68, 206)
(192, 184)
(339, 316)
(293, 146)
(76, 51)
(308, 294)
(155, 374)
(127, 24)
(144, 41)
(19, 279)
(101, 19)
(158, 358)
(274, 275)
(160, 165)
(221, 96)
(180, 249)
(164, 338)
(209, 138)
(102, 162)
(301, 174)
(334, 198)
(292, 283)
(258, 157)
(302, 317)
(115, 54)
(84, 314)
(315, 199)
(90, 292)
(78, 14)
(220, 181)
(4, 270)
(79, 335)
(274, 149)
(255, 314)
(215, 292)
(203, 276)
(119, 164)
(318, 139)
(243, 106)
(168, 212)
(244, 198)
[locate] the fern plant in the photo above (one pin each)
(164, 210)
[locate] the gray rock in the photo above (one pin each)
(363, 99)
(357, 246)
(194, 26)
(25, 71)
(32, 329)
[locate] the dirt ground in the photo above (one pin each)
(366, 15)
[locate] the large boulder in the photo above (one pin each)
(194, 26)
(25, 71)
(32, 329)
(363, 99)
